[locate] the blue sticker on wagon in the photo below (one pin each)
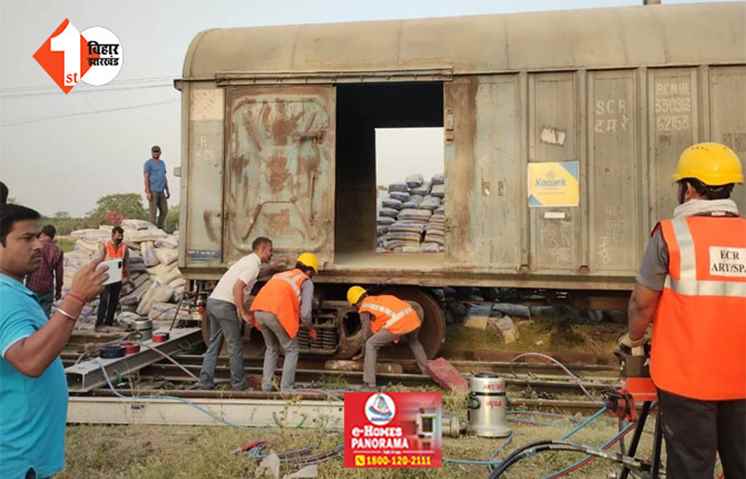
(553, 184)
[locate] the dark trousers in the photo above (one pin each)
(108, 303)
(158, 202)
(696, 430)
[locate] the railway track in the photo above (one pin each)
(531, 384)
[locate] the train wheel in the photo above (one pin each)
(433, 331)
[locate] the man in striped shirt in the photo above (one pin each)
(46, 281)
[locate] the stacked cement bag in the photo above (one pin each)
(154, 279)
(411, 216)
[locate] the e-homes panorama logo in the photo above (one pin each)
(70, 56)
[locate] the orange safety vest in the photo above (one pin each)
(699, 332)
(112, 252)
(281, 297)
(390, 313)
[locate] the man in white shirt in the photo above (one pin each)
(226, 308)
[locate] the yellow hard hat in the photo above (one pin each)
(354, 294)
(310, 260)
(711, 163)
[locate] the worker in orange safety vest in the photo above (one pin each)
(279, 308)
(692, 288)
(386, 319)
(116, 248)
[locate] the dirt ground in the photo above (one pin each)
(539, 335)
(160, 452)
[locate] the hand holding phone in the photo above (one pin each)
(89, 281)
(116, 267)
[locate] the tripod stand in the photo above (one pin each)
(655, 461)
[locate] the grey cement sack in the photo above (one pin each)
(399, 195)
(422, 190)
(392, 203)
(385, 220)
(430, 203)
(404, 236)
(388, 212)
(414, 181)
(413, 203)
(438, 180)
(400, 187)
(407, 226)
(414, 214)
(134, 298)
(438, 191)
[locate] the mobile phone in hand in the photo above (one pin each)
(115, 270)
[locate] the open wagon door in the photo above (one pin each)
(279, 172)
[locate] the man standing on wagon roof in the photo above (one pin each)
(156, 186)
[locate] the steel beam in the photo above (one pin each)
(89, 375)
(327, 415)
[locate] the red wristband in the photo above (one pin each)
(76, 297)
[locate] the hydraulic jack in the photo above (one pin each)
(637, 388)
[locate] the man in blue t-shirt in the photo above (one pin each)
(156, 186)
(33, 388)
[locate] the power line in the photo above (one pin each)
(47, 89)
(84, 113)
(77, 91)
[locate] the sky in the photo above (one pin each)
(62, 152)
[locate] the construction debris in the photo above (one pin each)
(508, 329)
(477, 322)
(447, 377)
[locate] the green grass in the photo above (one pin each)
(66, 244)
(161, 452)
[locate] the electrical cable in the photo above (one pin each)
(44, 88)
(578, 381)
(79, 91)
(543, 446)
(619, 437)
(175, 362)
(84, 113)
(168, 398)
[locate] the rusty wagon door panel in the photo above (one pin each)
(279, 179)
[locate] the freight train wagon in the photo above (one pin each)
(560, 134)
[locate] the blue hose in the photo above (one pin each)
(585, 423)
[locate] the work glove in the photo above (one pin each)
(627, 346)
